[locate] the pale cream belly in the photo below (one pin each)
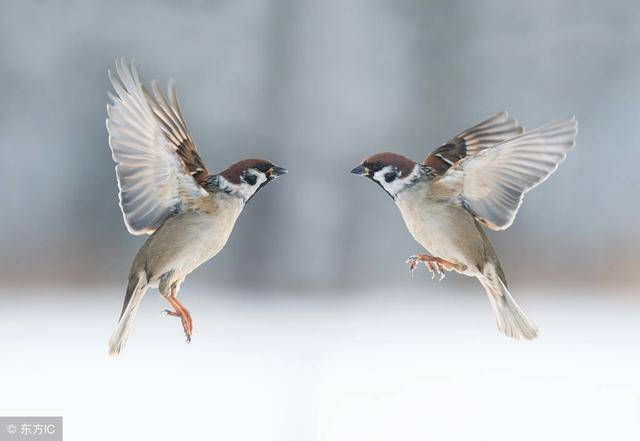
(444, 230)
(185, 242)
(203, 245)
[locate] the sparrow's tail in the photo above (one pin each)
(509, 317)
(135, 291)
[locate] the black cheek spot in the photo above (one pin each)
(388, 177)
(250, 179)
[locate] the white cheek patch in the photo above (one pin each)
(398, 184)
(245, 190)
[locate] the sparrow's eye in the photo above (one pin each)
(250, 179)
(388, 177)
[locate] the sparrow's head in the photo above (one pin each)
(246, 177)
(391, 171)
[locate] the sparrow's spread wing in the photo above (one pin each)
(157, 164)
(472, 141)
(493, 182)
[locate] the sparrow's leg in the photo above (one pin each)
(185, 317)
(435, 265)
(169, 291)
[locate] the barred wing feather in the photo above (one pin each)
(146, 135)
(472, 141)
(494, 181)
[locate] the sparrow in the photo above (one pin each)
(166, 191)
(475, 180)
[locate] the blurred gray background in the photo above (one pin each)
(307, 325)
(316, 86)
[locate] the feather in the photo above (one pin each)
(472, 141)
(495, 180)
(153, 151)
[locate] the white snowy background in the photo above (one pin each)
(372, 366)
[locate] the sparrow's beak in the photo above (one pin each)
(276, 171)
(360, 170)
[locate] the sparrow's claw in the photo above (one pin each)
(185, 317)
(432, 269)
(413, 264)
(435, 265)
(436, 270)
(439, 269)
(441, 273)
(187, 325)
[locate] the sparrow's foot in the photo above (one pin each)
(185, 317)
(435, 265)
(187, 325)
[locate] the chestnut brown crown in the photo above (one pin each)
(373, 163)
(380, 160)
(234, 173)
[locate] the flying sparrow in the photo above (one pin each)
(476, 179)
(166, 191)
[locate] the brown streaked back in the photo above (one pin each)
(472, 141)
